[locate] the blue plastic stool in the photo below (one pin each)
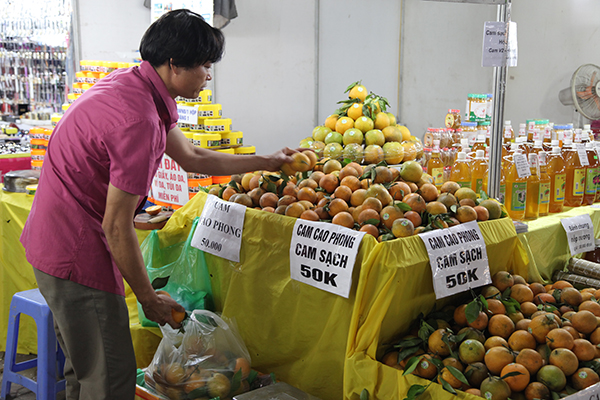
(50, 358)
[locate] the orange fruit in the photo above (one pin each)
(343, 192)
(502, 280)
(429, 192)
(369, 216)
(414, 217)
(178, 316)
(391, 358)
(476, 373)
(294, 210)
(459, 315)
(537, 288)
(559, 338)
(552, 377)
(541, 325)
(336, 206)
(537, 390)
(522, 324)
(584, 350)
(370, 230)
(595, 336)
(243, 365)
(437, 345)
(561, 285)
(589, 305)
(309, 215)
(425, 367)
(470, 351)
(528, 308)
(343, 218)
(466, 214)
(521, 293)
(530, 359)
(573, 297)
(517, 383)
(584, 321)
(482, 213)
(564, 359)
(494, 388)
(583, 378)
(402, 227)
(350, 181)
(308, 194)
(372, 203)
(520, 340)
(415, 201)
(329, 183)
(495, 341)
(496, 307)
(497, 358)
(501, 325)
(481, 322)
(399, 189)
(448, 377)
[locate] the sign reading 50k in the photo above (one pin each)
(458, 258)
(323, 255)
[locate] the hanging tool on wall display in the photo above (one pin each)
(33, 37)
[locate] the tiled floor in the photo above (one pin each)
(17, 391)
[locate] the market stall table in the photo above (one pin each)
(16, 275)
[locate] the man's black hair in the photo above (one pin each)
(184, 37)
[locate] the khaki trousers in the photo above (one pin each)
(92, 327)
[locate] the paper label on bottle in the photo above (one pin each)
(507, 132)
(502, 193)
(466, 184)
(523, 169)
(544, 193)
(438, 176)
(591, 181)
(519, 196)
(578, 182)
(548, 133)
(522, 132)
(559, 187)
(583, 157)
(537, 135)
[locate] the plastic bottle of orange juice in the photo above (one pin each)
(479, 167)
(592, 173)
(544, 184)
(508, 135)
(479, 144)
(556, 171)
(435, 166)
(516, 187)
(461, 171)
(575, 173)
(532, 205)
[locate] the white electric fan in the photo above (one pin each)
(584, 92)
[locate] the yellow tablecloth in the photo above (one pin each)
(546, 242)
(16, 275)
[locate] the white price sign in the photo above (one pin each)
(522, 165)
(323, 255)
(580, 233)
(583, 159)
(458, 258)
(187, 114)
(220, 228)
(170, 183)
(499, 44)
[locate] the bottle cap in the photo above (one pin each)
(462, 156)
(554, 143)
(587, 127)
(556, 150)
(507, 122)
(464, 142)
(480, 154)
(480, 138)
(537, 143)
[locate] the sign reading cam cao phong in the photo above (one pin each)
(458, 258)
(323, 255)
(220, 228)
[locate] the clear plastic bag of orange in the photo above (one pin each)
(209, 359)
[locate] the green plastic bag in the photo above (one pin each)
(180, 270)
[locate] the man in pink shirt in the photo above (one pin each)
(100, 162)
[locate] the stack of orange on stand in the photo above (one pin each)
(513, 340)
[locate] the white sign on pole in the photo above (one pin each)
(458, 258)
(580, 233)
(323, 255)
(220, 228)
(170, 183)
(500, 47)
(187, 114)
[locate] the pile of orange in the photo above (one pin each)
(515, 340)
(385, 202)
(362, 131)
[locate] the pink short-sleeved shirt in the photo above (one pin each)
(115, 133)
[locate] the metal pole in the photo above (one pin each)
(495, 168)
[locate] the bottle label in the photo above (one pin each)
(544, 193)
(519, 196)
(478, 185)
(591, 181)
(537, 134)
(559, 187)
(477, 111)
(502, 193)
(507, 132)
(583, 159)
(466, 184)
(548, 133)
(449, 120)
(578, 182)
(438, 176)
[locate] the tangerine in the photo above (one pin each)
(501, 325)
(584, 350)
(530, 359)
(583, 378)
(495, 341)
(520, 340)
(584, 321)
(537, 390)
(521, 293)
(502, 280)
(564, 359)
(517, 383)
(343, 218)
